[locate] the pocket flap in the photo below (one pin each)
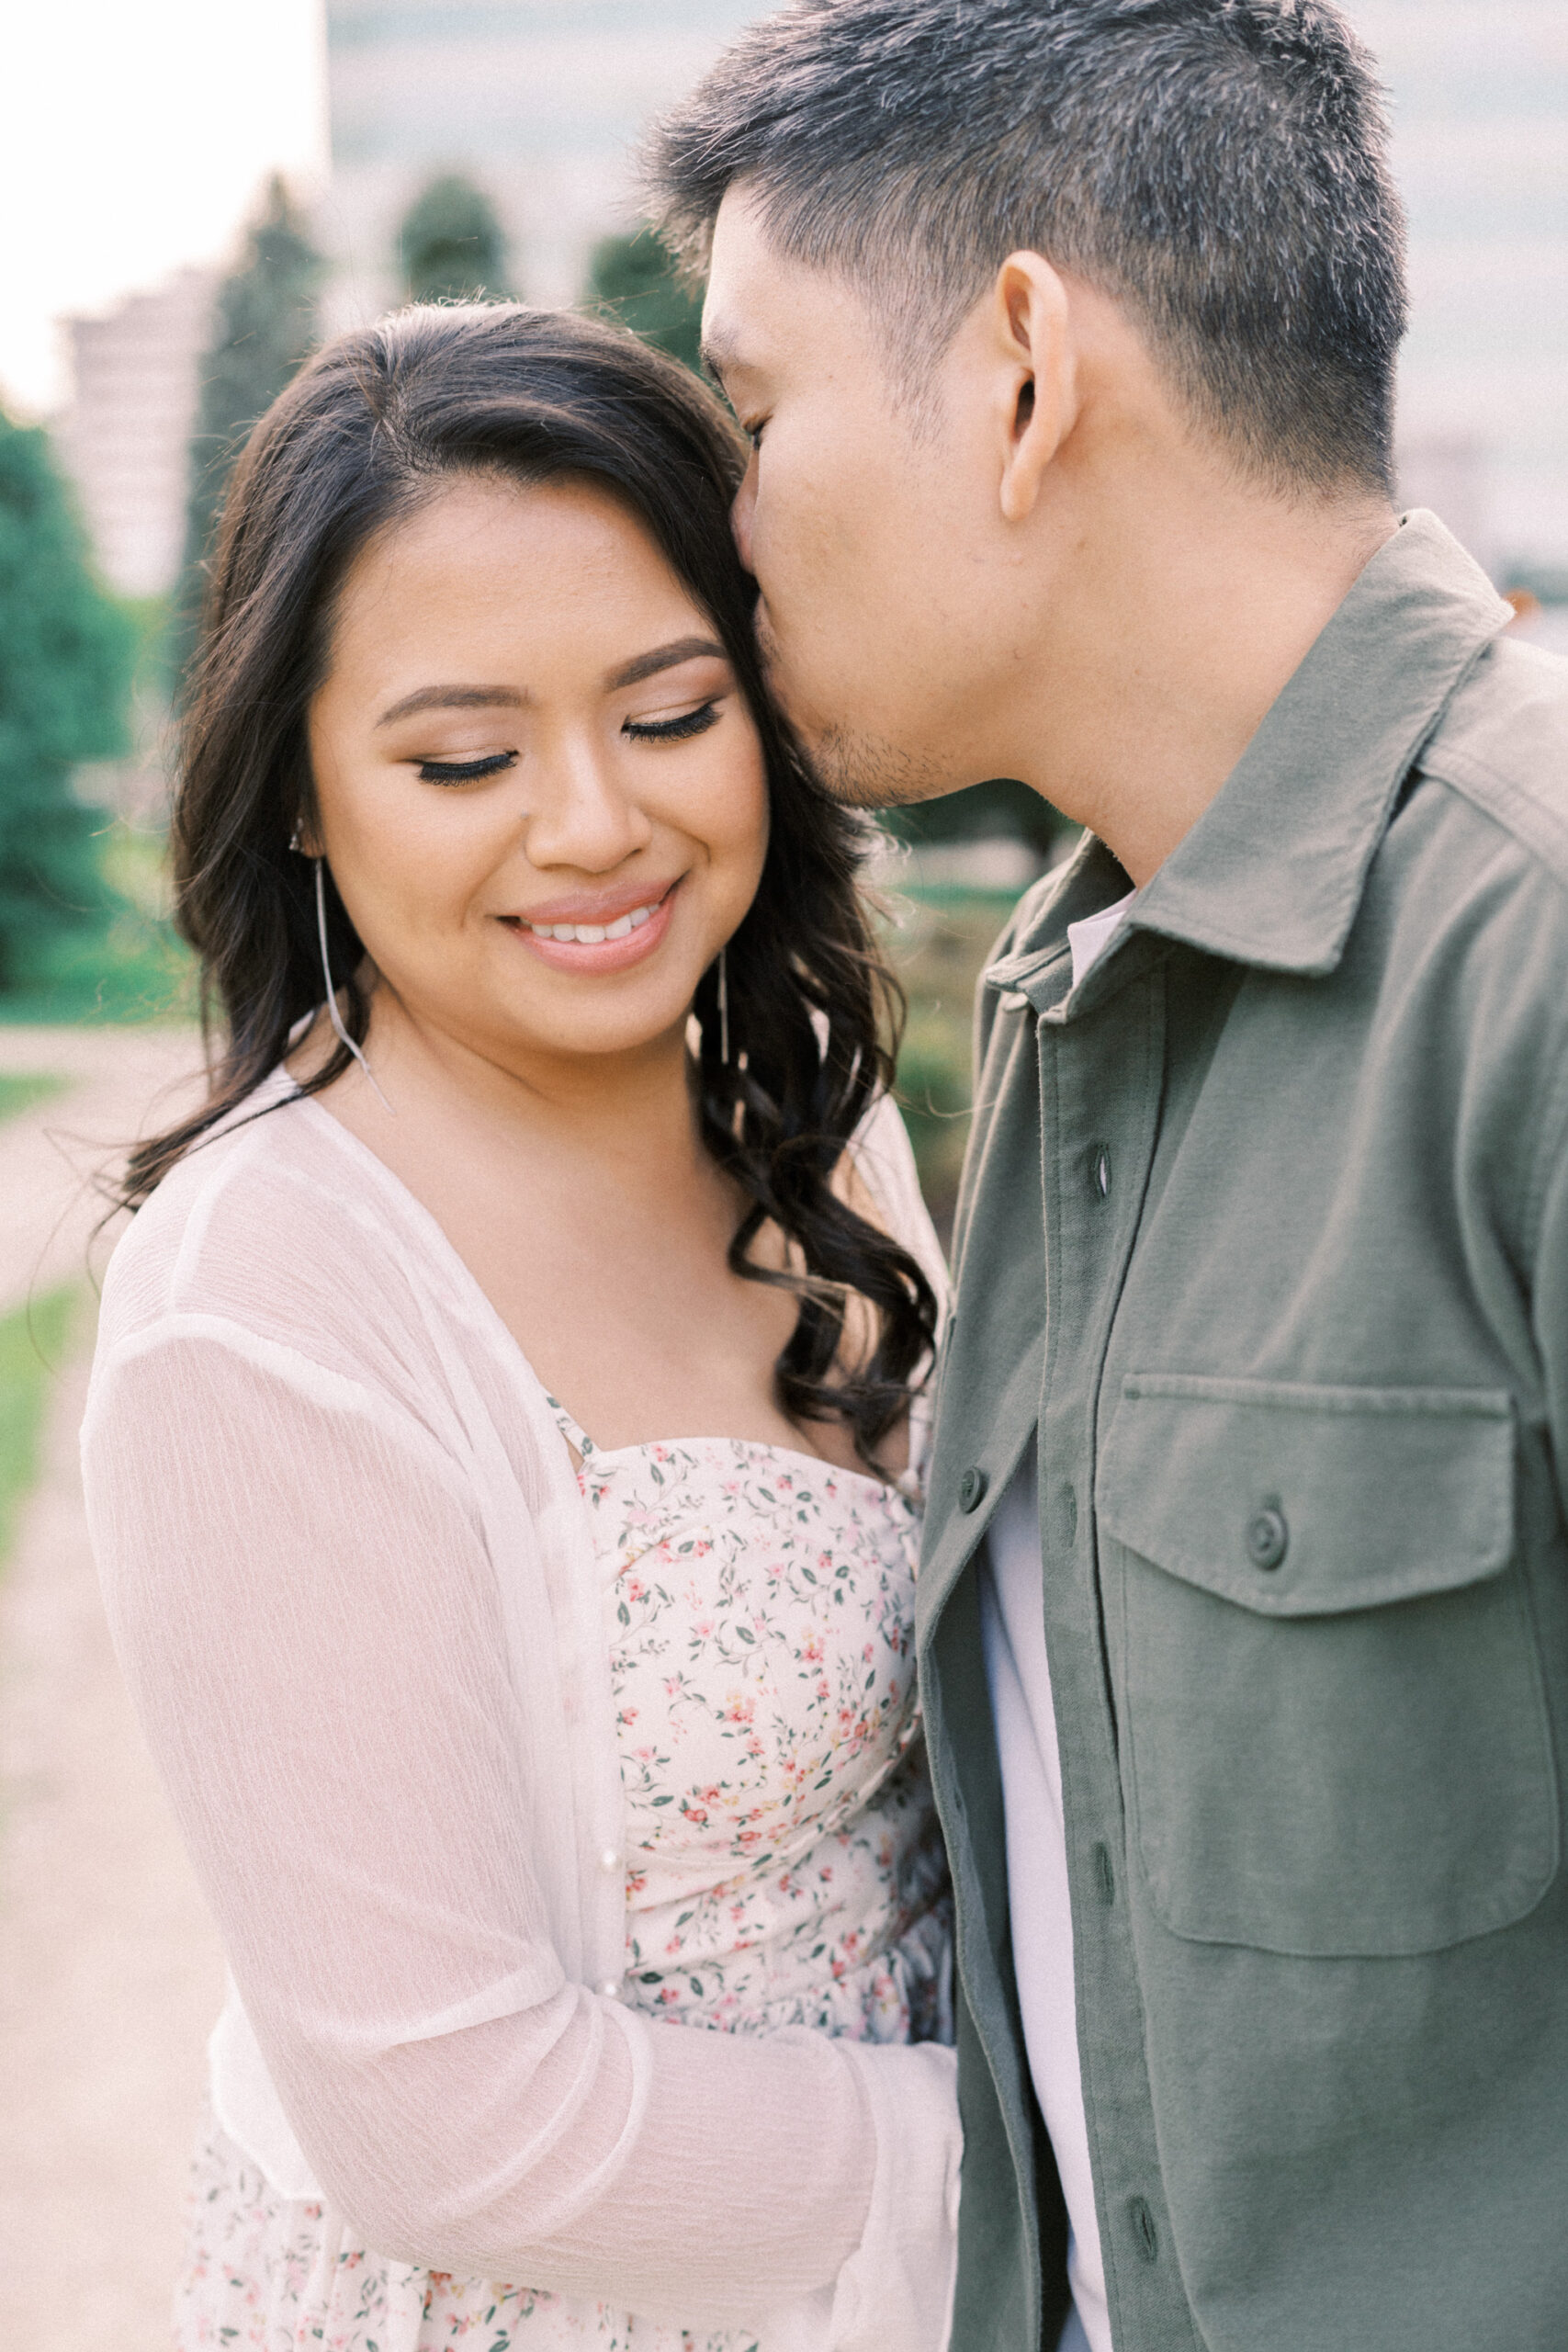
(1299, 1500)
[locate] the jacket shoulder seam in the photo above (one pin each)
(1521, 811)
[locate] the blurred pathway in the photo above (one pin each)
(109, 1972)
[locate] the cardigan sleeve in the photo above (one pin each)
(306, 1613)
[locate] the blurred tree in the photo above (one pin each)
(451, 245)
(66, 655)
(264, 325)
(634, 279)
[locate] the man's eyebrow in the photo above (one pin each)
(666, 657)
(454, 698)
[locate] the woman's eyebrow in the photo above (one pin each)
(454, 698)
(665, 657)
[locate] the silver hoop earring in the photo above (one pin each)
(333, 1016)
(724, 1006)
(295, 844)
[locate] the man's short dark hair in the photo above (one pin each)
(1219, 166)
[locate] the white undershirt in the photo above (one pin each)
(1013, 1628)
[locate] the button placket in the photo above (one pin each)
(972, 1487)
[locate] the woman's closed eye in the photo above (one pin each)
(673, 730)
(465, 771)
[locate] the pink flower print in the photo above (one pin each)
(738, 1708)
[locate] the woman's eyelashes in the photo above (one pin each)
(679, 729)
(465, 771)
(673, 730)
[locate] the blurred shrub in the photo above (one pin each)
(1002, 809)
(940, 942)
(66, 655)
(634, 280)
(451, 245)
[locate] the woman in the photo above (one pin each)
(504, 1446)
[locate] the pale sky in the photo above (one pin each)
(135, 137)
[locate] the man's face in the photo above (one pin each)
(864, 527)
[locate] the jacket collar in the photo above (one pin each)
(1273, 871)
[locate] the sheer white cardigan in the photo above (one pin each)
(352, 1583)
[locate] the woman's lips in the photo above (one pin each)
(645, 926)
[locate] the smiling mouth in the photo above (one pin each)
(614, 945)
(594, 934)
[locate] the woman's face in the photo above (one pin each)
(538, 787)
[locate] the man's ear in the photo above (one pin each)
(1032, 337)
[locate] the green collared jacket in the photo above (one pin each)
(1264, 1227)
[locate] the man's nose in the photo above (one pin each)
(743, 511)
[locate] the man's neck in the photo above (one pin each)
(1186, 616)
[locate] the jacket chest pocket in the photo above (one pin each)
(1335, 1724)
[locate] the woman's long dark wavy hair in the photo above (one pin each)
(376, 421)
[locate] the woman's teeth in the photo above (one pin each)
(591, 934)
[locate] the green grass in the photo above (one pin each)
(32, 1345)
(21, 1090)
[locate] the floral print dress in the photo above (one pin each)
(785, 1866)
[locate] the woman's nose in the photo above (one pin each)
(580, 815)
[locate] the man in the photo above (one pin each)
(1065, 332)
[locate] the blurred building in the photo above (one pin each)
(125, 435)
(1480, 92)
(539, 102)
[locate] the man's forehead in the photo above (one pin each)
(764, 306)
(743, 274)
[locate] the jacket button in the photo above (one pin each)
(1268, 1537)
(972, 1488)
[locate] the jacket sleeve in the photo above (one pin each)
(308, 1619)
(1549, 1284)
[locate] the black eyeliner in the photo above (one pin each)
(464, 771)
(674, 730)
